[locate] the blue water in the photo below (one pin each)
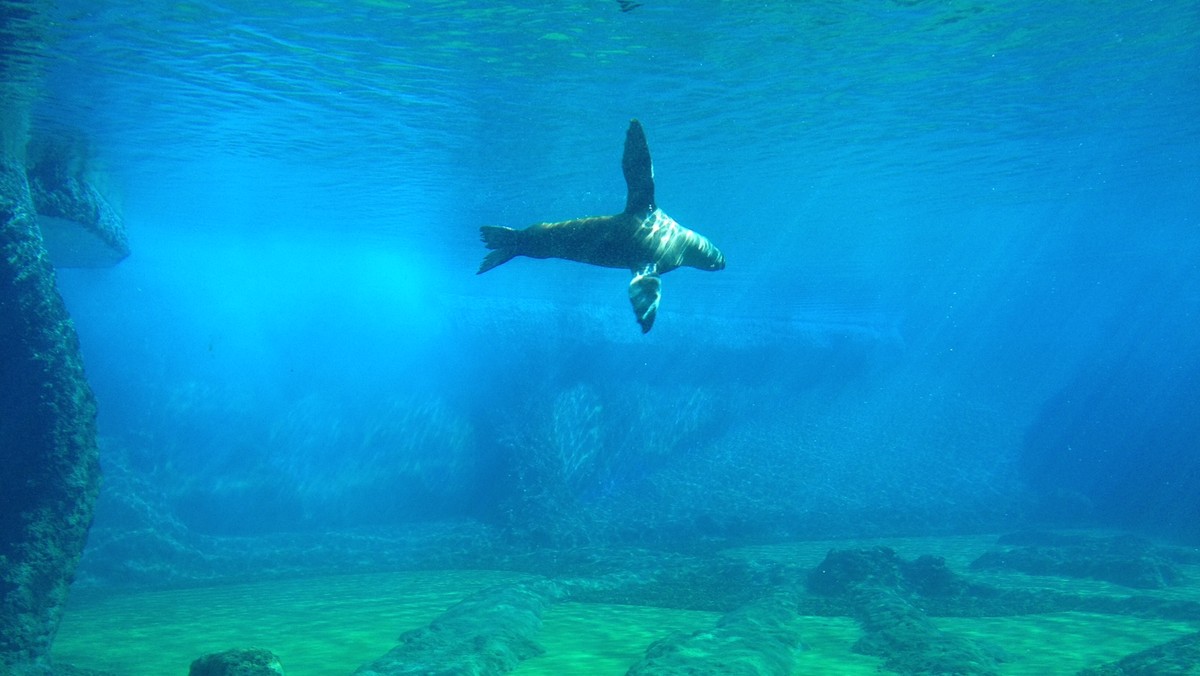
(962, 240)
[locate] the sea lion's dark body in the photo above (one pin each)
(607, 241)
(622, 241)
(641, 239)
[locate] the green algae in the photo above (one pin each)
(1064, 643)
(316, 625)
(583, 638)
(331, 625)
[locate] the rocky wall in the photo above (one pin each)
(49, 476)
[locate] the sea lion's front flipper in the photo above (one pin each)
(639, 171)
(644, 292)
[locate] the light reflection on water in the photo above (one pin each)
(834, 148)
(407, 98)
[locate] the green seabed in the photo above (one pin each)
(331, 625)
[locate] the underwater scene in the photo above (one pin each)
(599, 337)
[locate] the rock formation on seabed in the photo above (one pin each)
(49, 476)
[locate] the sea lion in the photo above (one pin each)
(641, 239)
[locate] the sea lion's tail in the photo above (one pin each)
(504, 243)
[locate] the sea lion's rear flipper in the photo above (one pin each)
(504, 241)
(644, 292)
(639, 171)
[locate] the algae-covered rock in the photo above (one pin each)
(757, 640)
(1125, 559)
(49, 477)
(487, 633)
(845, 570)
(238, 662)
(910, 643)
(882, 591)
(79, 226)
(1180, 657)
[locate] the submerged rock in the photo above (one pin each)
(882, 592)
(50, 474)
(79, 228)
(1125, 560)
(490, 632)
(844, 571)
(1180, 657)
(757, 640)
(238, 662)
(671, 580)
(910, 643)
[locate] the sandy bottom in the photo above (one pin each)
(331, 625)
